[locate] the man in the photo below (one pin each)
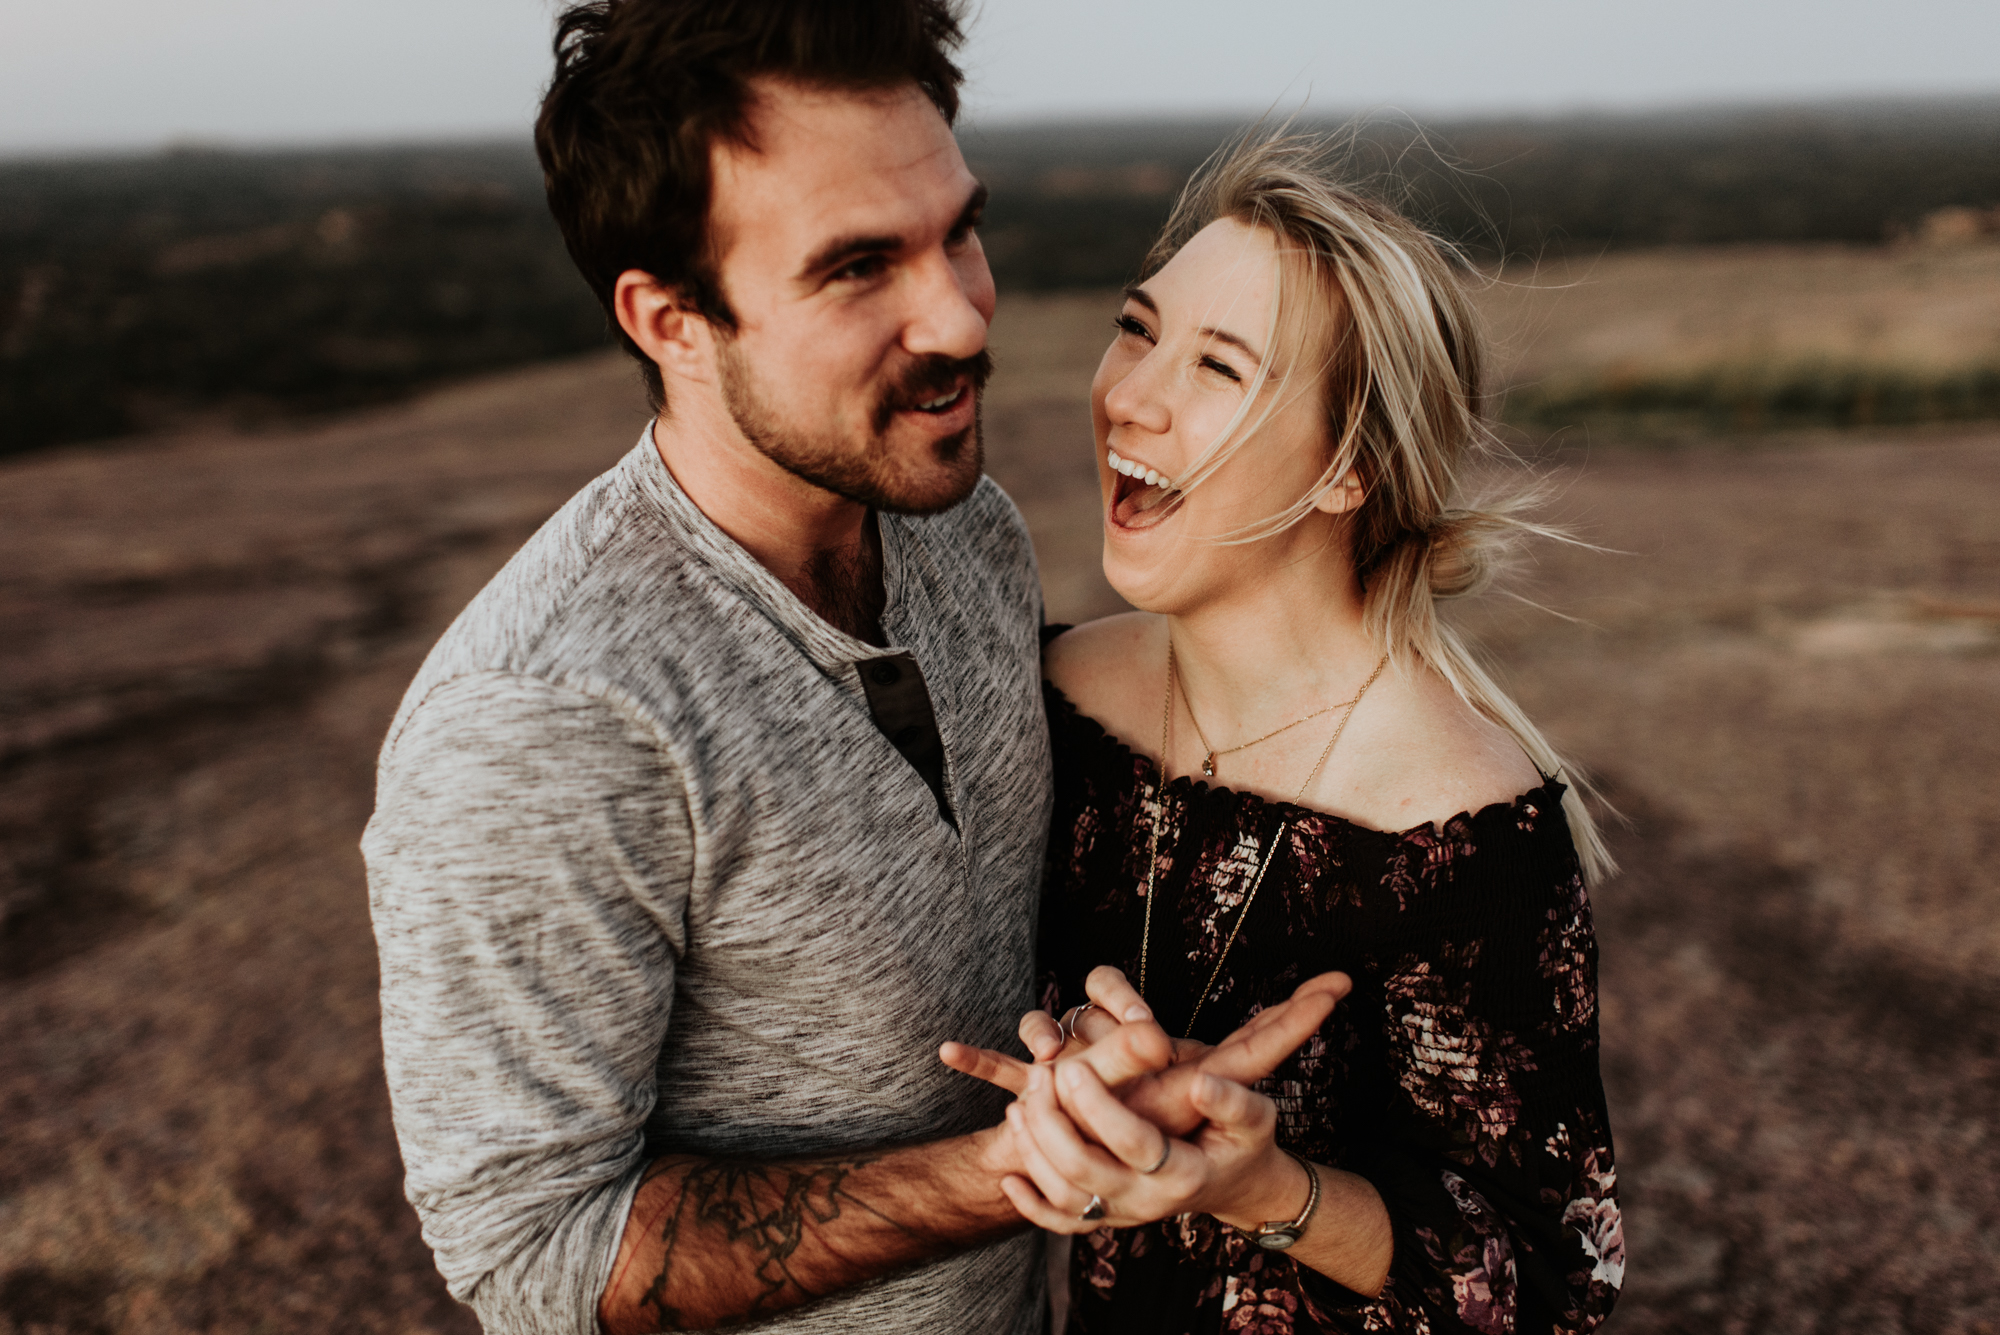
(725, 802)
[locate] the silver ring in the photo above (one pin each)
(1067, 1025)
(1094, 1211)
(1166, 1153)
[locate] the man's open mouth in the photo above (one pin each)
(936, 386)
(1141, 496)
(943, 403)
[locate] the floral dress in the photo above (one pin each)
(1460, 1076)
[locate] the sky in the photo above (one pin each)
(120, 74)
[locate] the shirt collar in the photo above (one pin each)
(833, 651)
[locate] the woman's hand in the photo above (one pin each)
(1153, 1074)
(1113, 1002)
(1115, 1009)
(1077, 1141)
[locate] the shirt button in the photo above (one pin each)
(884, 672)
(909, 736)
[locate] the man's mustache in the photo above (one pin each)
(927, 378)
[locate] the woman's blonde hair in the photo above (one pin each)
(1400, 364)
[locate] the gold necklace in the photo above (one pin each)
(1208, 761)
(1160, 810)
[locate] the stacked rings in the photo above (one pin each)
(1067, 1025)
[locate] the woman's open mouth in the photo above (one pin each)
(1141, 496)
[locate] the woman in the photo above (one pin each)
(1285, 765)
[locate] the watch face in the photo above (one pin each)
(1277, 1239)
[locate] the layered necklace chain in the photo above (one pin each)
(1208, 768)
(1208, 761)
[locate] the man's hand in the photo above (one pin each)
(1156, 1076)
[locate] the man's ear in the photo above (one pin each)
(1344, 495)
(665, 325)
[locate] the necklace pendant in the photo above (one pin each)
(1208, 764)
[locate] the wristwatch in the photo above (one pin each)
(1278, 1234)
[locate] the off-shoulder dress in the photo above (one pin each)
(1460, 1077)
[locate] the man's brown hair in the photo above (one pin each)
(644, 88)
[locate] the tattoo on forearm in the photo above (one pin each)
(764, 1211)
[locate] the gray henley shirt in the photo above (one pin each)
(648, 877)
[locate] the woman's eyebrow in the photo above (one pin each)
(1133, 292)
(1144, 298)
(1224, 336)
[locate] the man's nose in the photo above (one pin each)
(945, 315)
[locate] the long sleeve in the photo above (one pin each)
(1460, 1077)
(1493, 1150)
(528, 866)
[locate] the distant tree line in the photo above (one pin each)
(1077, 205)
(136, 292)
(142, 291)
(1859, 175)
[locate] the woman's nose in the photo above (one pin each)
(1136, 399)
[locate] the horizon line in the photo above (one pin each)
(199, 145)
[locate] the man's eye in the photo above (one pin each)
(868, 266)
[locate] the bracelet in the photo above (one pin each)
(1312, 1199)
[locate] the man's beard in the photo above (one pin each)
(866, 471)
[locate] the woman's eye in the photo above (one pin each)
(1126, 324)
(1221, 368)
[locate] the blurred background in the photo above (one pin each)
(291, 359)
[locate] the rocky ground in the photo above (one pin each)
(1787, 674)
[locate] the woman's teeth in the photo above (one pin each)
(1146, 504)
(1150, 476)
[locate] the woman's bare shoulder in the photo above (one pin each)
(1113, 670)
(1429, 755)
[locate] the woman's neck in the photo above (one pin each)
(1259, 656)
